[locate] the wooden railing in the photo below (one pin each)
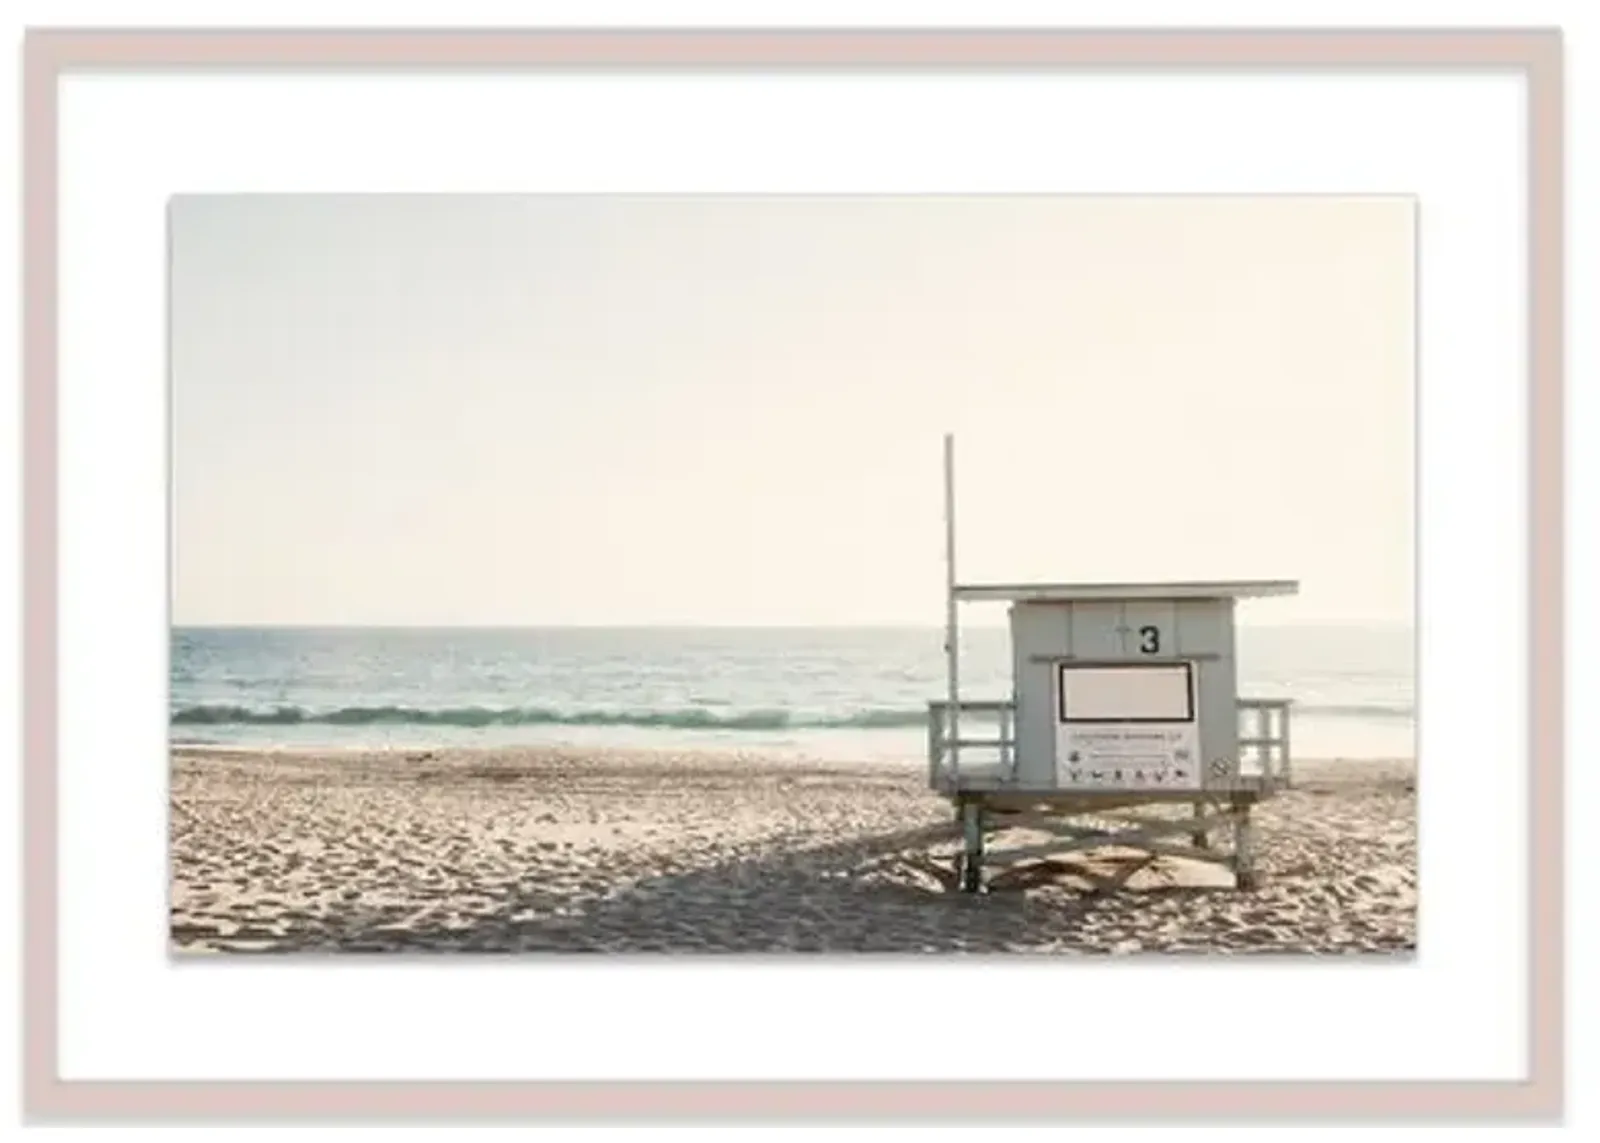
(1001, 749)
(1263, 738)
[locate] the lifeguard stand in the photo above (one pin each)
(1124, 705)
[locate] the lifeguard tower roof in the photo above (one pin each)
(1067, 592)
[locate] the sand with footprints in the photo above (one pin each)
(551, 850)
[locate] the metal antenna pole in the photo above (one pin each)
(950, 645)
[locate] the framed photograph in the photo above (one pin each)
(488, 550)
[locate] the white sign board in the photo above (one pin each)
(1127, 726)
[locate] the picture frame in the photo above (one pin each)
(1536, 55)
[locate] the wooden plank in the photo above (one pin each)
(1070, 839)
(1190, 853)
(1037, 872)
(1133, 825)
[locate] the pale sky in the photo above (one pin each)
(728, 410)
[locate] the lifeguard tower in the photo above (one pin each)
(1124, 730)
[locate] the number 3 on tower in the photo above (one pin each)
(1150, 640)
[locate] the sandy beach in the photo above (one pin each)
(543, 849)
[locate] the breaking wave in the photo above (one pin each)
(692, 718)
(689, 718)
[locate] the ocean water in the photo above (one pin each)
(841, 693)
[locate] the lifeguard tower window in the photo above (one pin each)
(1130, 693)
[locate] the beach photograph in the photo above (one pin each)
(790, 574)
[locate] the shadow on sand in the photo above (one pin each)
(868, 895)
